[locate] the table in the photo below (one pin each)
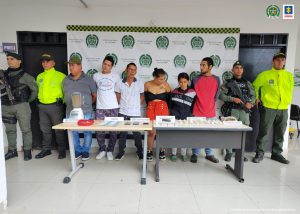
(203, 136)
(98, 126)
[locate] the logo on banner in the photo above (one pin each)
(179, 61)
(145, 60)
(230, 42)
(128, 41)
(197, 42)
(91, 72)
(167, 76)
(288, 11)
(273, 11)
(76, 54)
(92, 41)
(216, 59)
(227, 75)
(123, 75)
(194, 74)
(162, 42)
(114, 56)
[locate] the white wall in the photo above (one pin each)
(54, 15)
(296, 96)
(3, 188)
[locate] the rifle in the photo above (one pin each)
(4, 85)
(236, 90)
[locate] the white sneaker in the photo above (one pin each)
(110, 156)
(100, 155)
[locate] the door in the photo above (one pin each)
(256, 53)
(32, 45)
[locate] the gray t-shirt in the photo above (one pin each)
(85, 85)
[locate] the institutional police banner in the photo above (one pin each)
(174, 49)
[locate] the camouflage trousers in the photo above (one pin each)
(11, 114)
(240, 115)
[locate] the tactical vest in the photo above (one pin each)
(233, 92)
(20, 91)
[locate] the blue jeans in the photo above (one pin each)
(87, 142)
(208, 151)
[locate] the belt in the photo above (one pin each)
(47, 103)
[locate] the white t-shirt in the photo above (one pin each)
(106, 97)
(130, 102)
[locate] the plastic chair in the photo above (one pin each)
(295, 115)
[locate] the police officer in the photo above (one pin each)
(274, 91)
(51, 108)
(238, 95)
(16, 107)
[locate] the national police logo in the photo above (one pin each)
(273, 11)
(123, 75)
(145, 60)
(197, 42)
(76, 54)
(194, 74)
(230, 42)
(227, 75)
(216, 59)
(128, 41)
(167, 76)
(92, 41)
(162, 42)
(91, 72)
(114, 56)
(179, 61)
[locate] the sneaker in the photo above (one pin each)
(228, 157)
(162, 155)
(258, 158)
(85, 156)
(120, 156)
(184, 158)
(194, 158)
(212, 158)
(110, 156)
(149, 155)
(100, 155)
(78, 155)
(140, 155)
(173, 158)
(279, 158)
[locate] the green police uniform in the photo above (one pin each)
(275, 89)
(51, 109)
(24, 90)
(238, 88)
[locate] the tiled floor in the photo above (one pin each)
(113, 187)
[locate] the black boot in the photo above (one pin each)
(62, 154)
(279, 158)
(228, 157)
(258, 158)
(43, 153)
(27, 155)
(11, 154)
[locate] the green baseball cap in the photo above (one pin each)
(279, 55)
(237, 63)
(74, 59)
(47, 57)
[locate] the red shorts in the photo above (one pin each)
(157, 108)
